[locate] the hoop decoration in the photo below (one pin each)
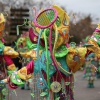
(46, 18)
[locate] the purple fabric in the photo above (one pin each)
(30, 67)
(32, 36)
(67, 45)
(8, 60)
(10, 86)
(3, 40)
(97, 30)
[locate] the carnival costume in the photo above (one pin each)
(52, 59)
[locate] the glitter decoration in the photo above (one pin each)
(55, 87)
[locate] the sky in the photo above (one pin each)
(83, 6)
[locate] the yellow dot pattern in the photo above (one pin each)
(45, 18)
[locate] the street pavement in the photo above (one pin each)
(81, 90)
(84, 93)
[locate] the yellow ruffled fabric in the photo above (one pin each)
(2, 18)
(10, 52)
(80, 52)
(95, 48)
(23, 74)
(11, 67)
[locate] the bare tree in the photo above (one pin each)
(81, 29)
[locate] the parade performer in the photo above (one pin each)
(96, 37)
(90, 70)
(6, 55)
(52, 59)
(6, 52)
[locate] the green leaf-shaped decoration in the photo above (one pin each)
(32, 95)
(5, 91)
(43, 94)
(57, 98)
(67, 83)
